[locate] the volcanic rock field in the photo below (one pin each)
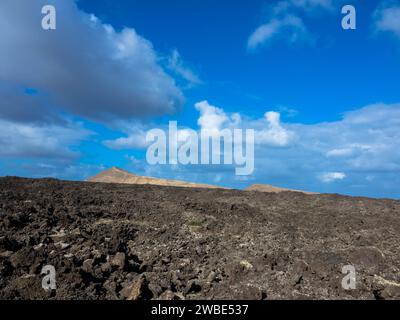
(115, 241)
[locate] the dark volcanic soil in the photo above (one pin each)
(111, 241)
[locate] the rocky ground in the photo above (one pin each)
(109, 241)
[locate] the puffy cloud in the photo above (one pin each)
(135, 139)
(329, 177)
(366, 139)
(268, 130)
(33, 141)
(84, 67)
(274, 134)
(211, 118)
(387, 19)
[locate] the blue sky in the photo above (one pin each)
(80, 98)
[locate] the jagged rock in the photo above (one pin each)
(22, 258)
(193, 286)
(246, 265)
(87, 265)
(6, 254)
(138, 290)
(62, 245)
(106, 267)
(169, 295)
(386, 289)
(118, 260)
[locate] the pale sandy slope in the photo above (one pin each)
(117, 175)
(273, 189)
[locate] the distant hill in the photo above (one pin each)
(117, 175)
(273, 189)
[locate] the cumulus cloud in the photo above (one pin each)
(365, 139)
(274, 133)
(387, 19)
(33, 141)
(268, 130)
(284, 20)
(211, 118)
(135, 138)
(84, 67)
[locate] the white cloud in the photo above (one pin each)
(366, 139)
(329, 177)
(291, 27)
(274, 134)
(349, 150)
(33, 141)
(268, 130)
(84, 67)
(211, 118)
(135, 139)
(340, 152)
(285, 21)
(387, 19)
(263, 33)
